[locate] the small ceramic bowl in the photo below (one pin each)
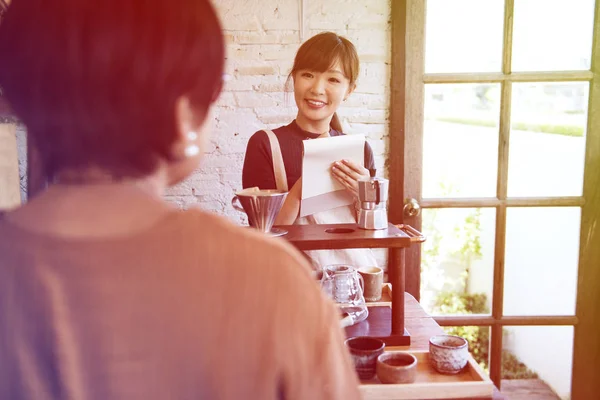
(397, 367)
(448, 354)
(364, 351)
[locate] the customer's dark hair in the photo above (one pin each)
(96, 82)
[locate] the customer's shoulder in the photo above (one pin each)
(249, 260)
(211, 226)
(243, 241)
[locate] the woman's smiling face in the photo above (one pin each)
(318, 95)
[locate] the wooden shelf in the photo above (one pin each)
(349, 236)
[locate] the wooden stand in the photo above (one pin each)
(349, 236)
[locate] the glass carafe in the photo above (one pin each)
(345, 286)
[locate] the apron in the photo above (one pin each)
(357, 258)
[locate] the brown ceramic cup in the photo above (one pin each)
(448, 353)
(397, 367)
(364, 351)
(373, 279)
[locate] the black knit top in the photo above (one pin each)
(258, 162)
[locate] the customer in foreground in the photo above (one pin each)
(108, 292)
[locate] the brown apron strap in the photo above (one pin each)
(278, 166)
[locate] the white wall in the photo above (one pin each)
(547, 350)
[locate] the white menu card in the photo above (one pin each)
(320, 190)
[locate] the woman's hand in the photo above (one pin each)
(348, 173)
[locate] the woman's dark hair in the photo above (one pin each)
(323, 50)
(96, 82)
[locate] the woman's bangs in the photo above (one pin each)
(320, 59)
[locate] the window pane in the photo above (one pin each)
(460, 144)
(547, 140)
(542, 257)
(457, 260)
(464, 36)
(552, 35)
(537, 361)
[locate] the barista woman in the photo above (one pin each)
(324, 74)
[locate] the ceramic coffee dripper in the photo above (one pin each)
(262, 207)
(345, 286)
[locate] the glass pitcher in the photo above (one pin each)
(345, 286)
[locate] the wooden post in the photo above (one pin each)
(397, 270)
(586, 352)
(10, 189)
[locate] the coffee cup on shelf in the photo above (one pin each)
(373, 282)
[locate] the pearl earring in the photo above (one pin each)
(191, 149)
(192, 136)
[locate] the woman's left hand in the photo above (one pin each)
(348, 173)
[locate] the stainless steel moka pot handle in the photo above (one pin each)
(372, 173)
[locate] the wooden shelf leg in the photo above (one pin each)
(396, 273)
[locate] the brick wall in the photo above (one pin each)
(262, 37)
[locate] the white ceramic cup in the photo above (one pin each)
(448, 354)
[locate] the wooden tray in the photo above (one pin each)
(429, 384)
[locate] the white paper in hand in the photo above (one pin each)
(320, 190)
